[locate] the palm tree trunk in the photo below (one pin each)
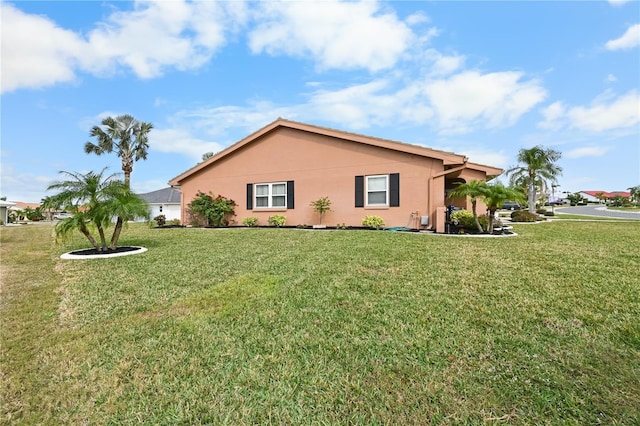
(475, 216)
(116, 234)
(532, 196)
(103, 240)
(492, 214)
(87, 234)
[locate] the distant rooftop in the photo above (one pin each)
(162, 196)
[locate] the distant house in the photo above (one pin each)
(283, 167)
(595, 196)
(164, 202)
(4, 211)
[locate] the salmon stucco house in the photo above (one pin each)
(283, 167)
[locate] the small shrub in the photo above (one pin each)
(277, 220)
(321, 205)
(161, 220)
(541, 211)
(549, 213)
(372, 221)
(464, 218)
(341, 226)
(251, 222)
(524, 216)
(175, 222)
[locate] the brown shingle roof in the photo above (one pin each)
(448, 158)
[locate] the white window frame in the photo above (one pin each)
(270, 195)
(386, 191)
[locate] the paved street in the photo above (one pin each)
(595, 210)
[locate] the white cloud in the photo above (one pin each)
(630, 39)
(182, 142)
(148, 40)
(438, 64)
(553, 116)
(157, 35)
(486, 157)
(459, 104)
(587, 151)
(618, 2)
(606, 113)
(418, 18)
(488, 100)
(215, 122)
(611, 78)
(23, 186)
(35, 51)
(335, 34)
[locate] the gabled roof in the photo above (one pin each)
(448, 158)
(162, 196)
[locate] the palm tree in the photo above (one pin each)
(125, 135)
(125, 204)
(474, 189)
(496, 195)
(537, 166)
(635, 193)
(93, 201)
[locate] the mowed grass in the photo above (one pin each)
(285, 326)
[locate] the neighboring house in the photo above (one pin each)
(283, 167)
(164, 201)
(592, 196)
(4, 211)
(20, 206)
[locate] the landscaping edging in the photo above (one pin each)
(77, 254)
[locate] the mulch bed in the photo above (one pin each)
(94, 252)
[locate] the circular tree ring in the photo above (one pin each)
(92, 254)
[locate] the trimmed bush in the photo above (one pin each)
(524, 216)
(464, 219)
(549, 213)
(277, 220)
(375, 222)
(250, 221)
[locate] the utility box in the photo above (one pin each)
(424, 220)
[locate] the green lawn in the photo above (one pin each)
(285, 326)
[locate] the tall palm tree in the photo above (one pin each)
(537, 167)
(94, 200)
(474, 189)
(496, 195)
(125, 135)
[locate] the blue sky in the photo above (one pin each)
(484, 79)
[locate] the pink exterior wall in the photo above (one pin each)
(320, 166)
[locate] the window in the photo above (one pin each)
(377, 190)
(271, 195)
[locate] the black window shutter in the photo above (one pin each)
(359, 191)
(290, 199)
(394, 190)
(249, 196)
